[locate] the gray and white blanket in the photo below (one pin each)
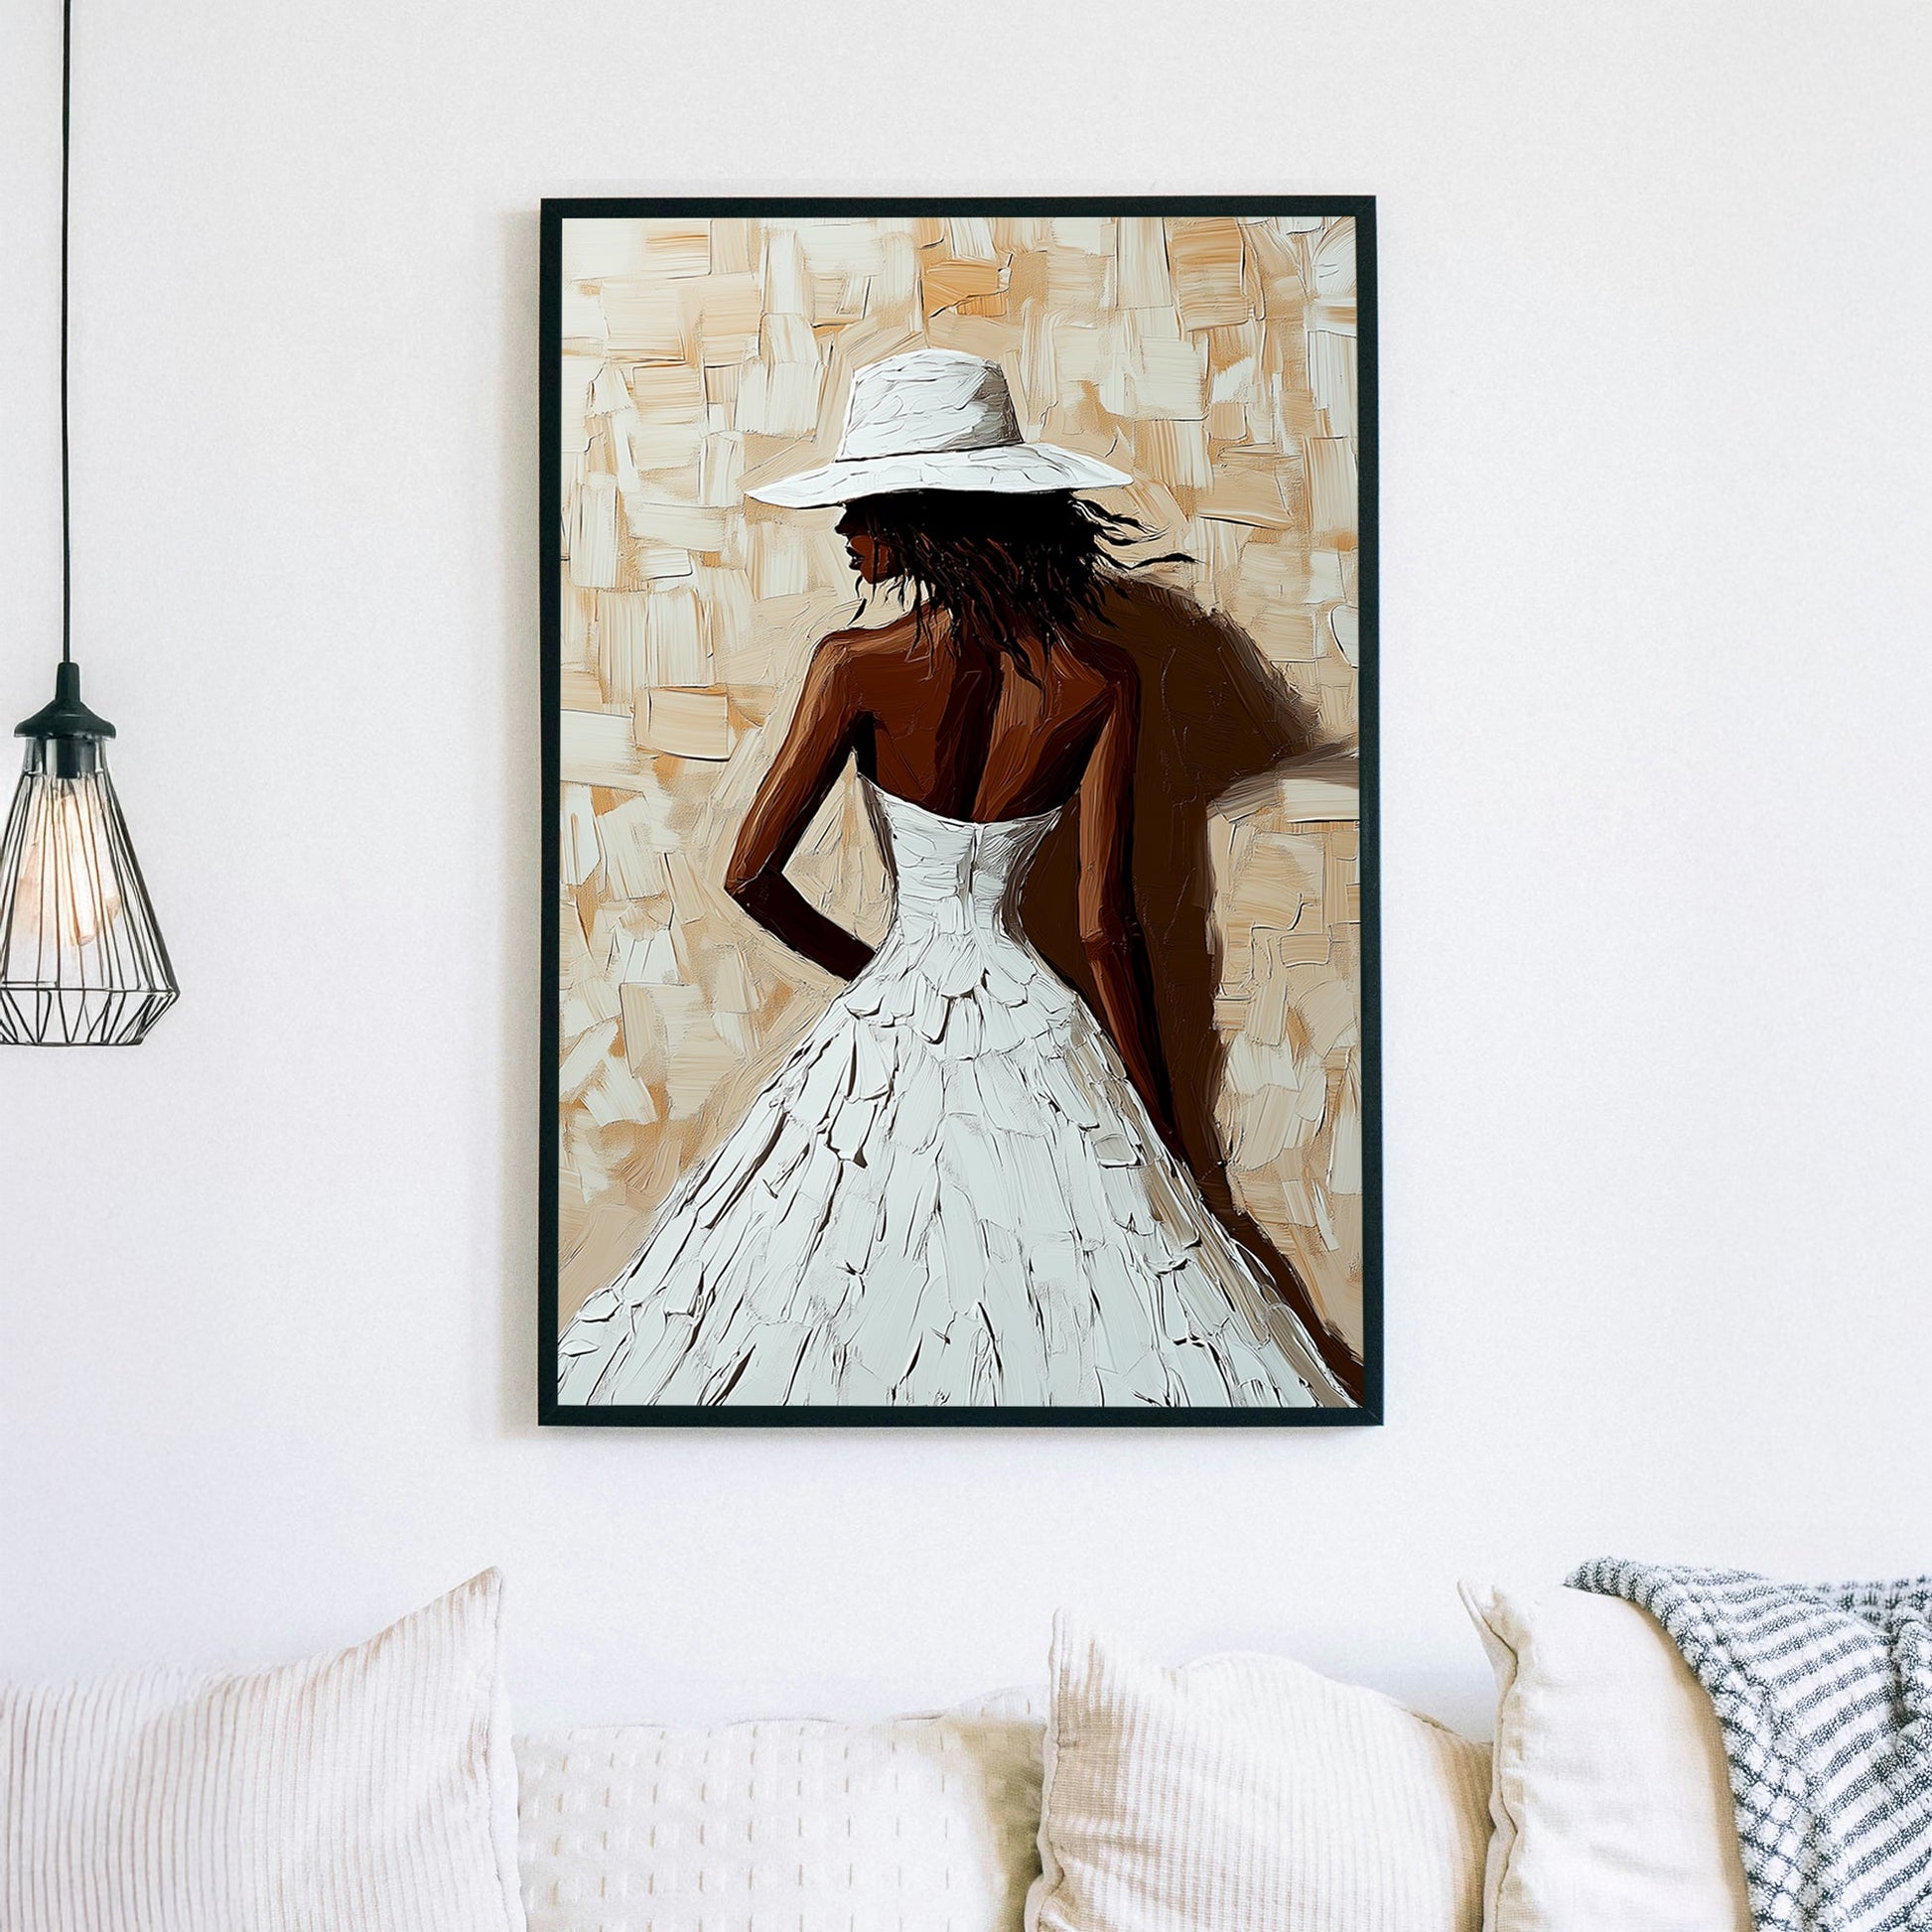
(1824, 1692)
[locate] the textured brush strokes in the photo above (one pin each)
(1215, 358)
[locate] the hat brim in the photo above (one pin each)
(1024, 469)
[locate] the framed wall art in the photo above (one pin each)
(959, 916)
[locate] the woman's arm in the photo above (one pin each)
(1117, 952)
(816, 744)
(1110, 930)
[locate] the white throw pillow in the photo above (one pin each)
(371, 1789)
(804, 1824)
(1249, 1791)
(1610, 1795)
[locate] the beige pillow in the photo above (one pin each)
(371, 1790)
(1248, 1791)
(1610, 1794)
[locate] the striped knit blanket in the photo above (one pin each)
(1823, 1694)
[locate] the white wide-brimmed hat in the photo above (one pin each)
(935, 419)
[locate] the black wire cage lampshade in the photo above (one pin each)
(82, 960)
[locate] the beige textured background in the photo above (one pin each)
(1216, 360)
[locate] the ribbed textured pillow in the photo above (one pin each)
(1611, 1794)
(1249, 1791)
(371, 1790)
(795, 1825)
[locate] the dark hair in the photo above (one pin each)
(991, 558)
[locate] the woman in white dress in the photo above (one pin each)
(960, 1188)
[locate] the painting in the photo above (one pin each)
(959, 901)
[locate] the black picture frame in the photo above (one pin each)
(555, 212)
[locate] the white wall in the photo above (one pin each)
(1655, 315)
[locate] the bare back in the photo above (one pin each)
(962, 729)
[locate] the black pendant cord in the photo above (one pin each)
(67, 506)
(66, 720)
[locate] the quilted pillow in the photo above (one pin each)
(807, 1824)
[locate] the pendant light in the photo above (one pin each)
(82, 961)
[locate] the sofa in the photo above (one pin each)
(384, 1788)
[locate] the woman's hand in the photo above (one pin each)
(1110, 930)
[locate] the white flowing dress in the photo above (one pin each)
(950, 1192)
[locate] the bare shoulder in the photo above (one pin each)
(862, 648)
(839, 672)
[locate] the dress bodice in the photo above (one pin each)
(952, 876)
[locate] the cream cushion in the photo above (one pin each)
(1248, 1791)
(1610, 1794)
(797, 1825)
(368, 1790)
